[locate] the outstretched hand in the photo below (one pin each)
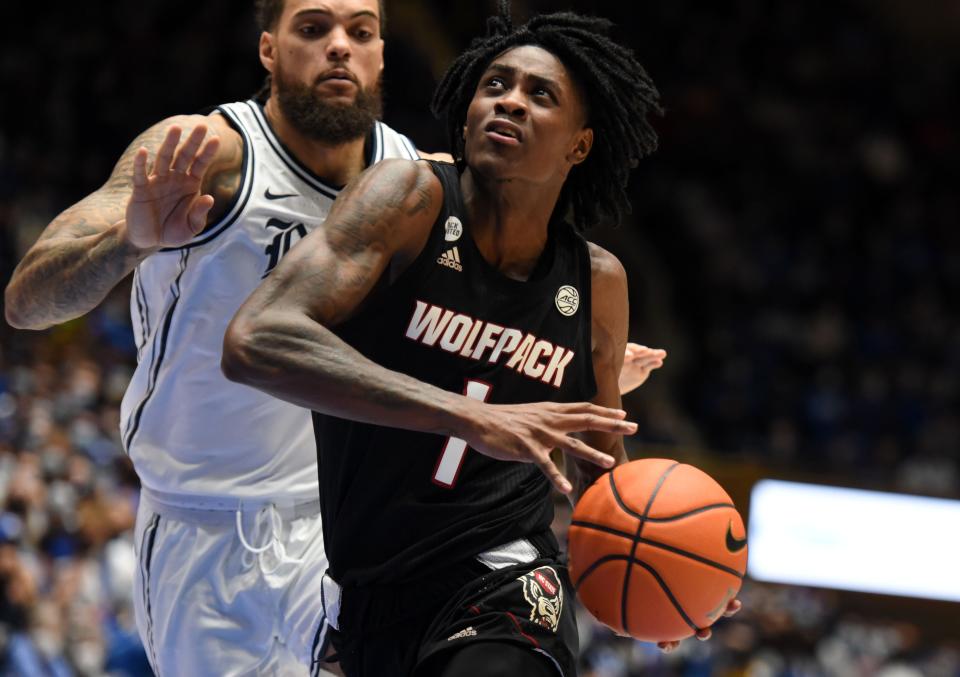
(166, 208)
(638, 363)
(527, 433)
(733, 606)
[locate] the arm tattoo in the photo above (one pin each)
(78, 258)
(365, 223)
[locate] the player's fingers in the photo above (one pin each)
(569, 407)
(188, 149)
(733, 607)
(197, 215)
(202, 162)
(649, 354)
(591, 409)
(704, 634)
(553, 474)
(161, 166)
(140, 167)
(598, 423)
(667, 647)
(581, 449)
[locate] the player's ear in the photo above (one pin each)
(267, 51)
(581, 149)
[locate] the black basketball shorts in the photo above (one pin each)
(528, 605)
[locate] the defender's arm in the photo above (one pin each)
(87, 249)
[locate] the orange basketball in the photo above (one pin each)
(657, 549)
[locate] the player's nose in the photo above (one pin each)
(511, 104)
(338, 45)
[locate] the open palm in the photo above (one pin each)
(166, 207)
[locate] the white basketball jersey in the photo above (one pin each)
(189, 430)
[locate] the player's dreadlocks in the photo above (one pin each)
(618, 91)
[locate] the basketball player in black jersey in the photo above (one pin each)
(450, 328)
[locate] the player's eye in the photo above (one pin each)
(544, 93)
(310, 30)
(364, 34)
(496, 82)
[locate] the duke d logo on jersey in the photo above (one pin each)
(290, 233)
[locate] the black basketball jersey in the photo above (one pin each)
(398, 505)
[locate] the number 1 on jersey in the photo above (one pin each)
(451, 458)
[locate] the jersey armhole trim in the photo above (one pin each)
(408, 144)
(583, 253)
(243, 193)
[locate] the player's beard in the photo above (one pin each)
(313, 116)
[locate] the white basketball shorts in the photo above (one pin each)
(223, 591)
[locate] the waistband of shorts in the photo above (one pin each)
(222, 510)
(389, 603)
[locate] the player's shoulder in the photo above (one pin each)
(406, 180)
(608, 293)
(605, 268)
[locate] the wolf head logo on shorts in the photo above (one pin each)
(542, 590)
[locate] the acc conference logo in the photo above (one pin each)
(568, 300)
(453, 229)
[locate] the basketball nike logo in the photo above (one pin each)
(734, 544)
(271, 196)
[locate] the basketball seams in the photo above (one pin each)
(666, 589)
(691, 513)
(655, 544)
(636, 539)
(669, 518)
(653, 572)
(619, 500)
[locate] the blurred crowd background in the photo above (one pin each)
(794, 246)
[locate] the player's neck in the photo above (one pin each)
(335, 164)
(509, 222)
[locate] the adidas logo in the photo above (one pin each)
(466, 632)
(451, 259)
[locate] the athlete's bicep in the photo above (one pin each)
(384, 213)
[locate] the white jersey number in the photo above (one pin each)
(451, 458)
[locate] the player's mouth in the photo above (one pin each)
(504, 132)
(338, 75)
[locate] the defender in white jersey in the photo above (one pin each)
(228, 532)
